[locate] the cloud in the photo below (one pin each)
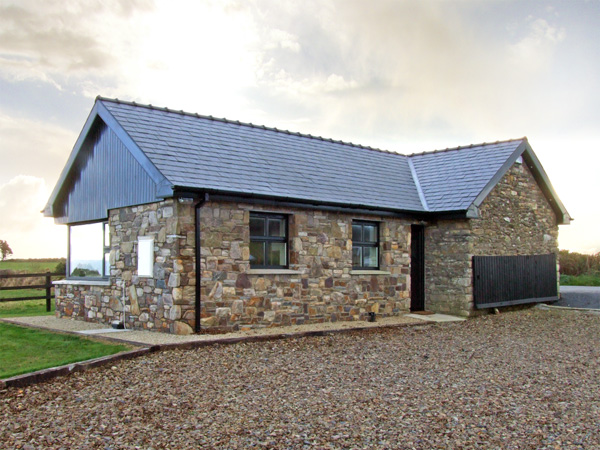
(409, 68)
(53, 40)
(33, 147)
(536, 48)
(28, 233)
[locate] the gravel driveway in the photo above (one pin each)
(519, 380)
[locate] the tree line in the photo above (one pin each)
(573, 263)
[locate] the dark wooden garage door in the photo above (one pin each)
(513, 280)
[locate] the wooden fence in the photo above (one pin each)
(47, 286)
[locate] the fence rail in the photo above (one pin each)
(47, 286)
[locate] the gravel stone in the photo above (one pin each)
(518, 380)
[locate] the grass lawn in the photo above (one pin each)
(25, 350)
(25, 307)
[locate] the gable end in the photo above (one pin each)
(104, 175)
(530, 159)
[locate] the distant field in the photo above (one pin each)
(26, 307)
(31, 265)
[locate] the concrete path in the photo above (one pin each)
(150, 339)
(436, 317)
(579, 297)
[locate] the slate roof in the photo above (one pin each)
(184, 151)
(199, 152)
(452, 179)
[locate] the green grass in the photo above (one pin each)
(25, 307)
(24, 350)
(580, 280)
(30, 265)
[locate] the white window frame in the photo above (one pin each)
(145, 256)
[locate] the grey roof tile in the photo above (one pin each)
(200, 152)
(453, 178)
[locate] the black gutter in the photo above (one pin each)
(198, 297)
(289, 202)
(320, 206)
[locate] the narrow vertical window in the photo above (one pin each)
(268, 241)
(145, 256)
(365, 245)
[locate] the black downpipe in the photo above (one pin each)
(198, 246)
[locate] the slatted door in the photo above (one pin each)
(513, 280)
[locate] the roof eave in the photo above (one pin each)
(529, 158)
(217, 194)
(49, 208)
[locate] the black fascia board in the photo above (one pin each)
(526, 152)
(287, 202)
(538, 172)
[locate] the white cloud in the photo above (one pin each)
(28, 233)
(282, 39)
(53, 40)
(536, 48)
(33, 147)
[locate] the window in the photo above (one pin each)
(268, 241)
(145, 256)
(89, 251)
(365, 245)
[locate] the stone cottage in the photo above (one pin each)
(184, 223)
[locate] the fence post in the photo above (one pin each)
(48, 289)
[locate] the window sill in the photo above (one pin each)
(82, 282)
(273, 272)
(369, 272)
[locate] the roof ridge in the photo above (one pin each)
(246, 124)
(415, 176)
(462, 147)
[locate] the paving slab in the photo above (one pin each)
(436, 317)
(103, 331)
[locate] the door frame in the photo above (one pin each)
(417, 267)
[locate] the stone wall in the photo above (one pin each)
(319, 286)
(164, 302)
(515, 219)
(448, 277)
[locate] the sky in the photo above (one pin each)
(405, 76)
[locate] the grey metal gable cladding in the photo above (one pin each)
(451, 180)
(104, 168)
(196, 152)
